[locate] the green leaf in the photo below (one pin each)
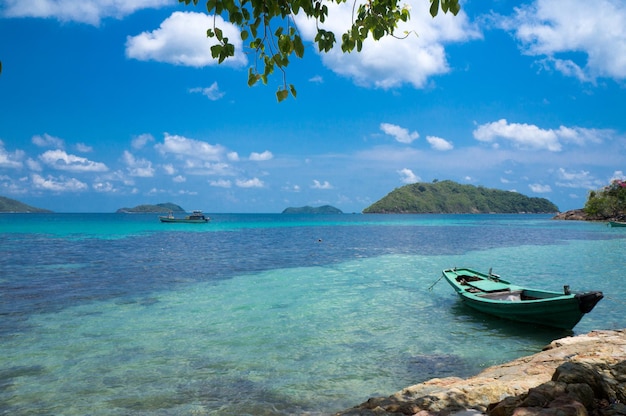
(244, 35)
(298, 46)
(292, 88)
(434, 7)
(281, 95)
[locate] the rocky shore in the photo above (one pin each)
(573, 376)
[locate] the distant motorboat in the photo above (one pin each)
(488, 293)
(195, 218)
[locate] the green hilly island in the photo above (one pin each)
(449, 197)
(11, 205)
(150, 209)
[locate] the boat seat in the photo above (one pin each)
(489, 286)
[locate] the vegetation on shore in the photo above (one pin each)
(325, 209)
(448, 197)
(608, 202)
(11, 205)
(150, 209)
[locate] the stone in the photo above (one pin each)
(573, 376)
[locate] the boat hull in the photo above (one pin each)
(617, 224)
(494, 296)
(183, 220)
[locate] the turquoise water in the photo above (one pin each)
(111, 314)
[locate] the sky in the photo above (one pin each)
(107, 104)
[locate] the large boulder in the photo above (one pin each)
(575, 376)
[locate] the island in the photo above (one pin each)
(449, 197)
(324, 209)
(151, 209)
(14, 206)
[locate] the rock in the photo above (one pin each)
(574, 215)
(573, 376)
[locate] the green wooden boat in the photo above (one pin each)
(493, 295)
(617, 224)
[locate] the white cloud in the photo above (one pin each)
(182, 146)
(213, 92)
(259, 157)
(179, 179)
(317, 79)
(137, 167)
(83, 148)
(32, 165)
(83, 11)
(321, 185)
(47, 140)
(250, 183)
(581, 179)
(181, 40)
(10, 160)
(407, 176)
(140, 141)
(391, 62)
(59, 185)
(59, 159)
(221, 183)
(531, 137)
(596, 29)
(105, 187)
(438, 143)
(169, 169)
(401, 134)
(540, 189)
(232, 156)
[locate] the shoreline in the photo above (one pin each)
(571, 376)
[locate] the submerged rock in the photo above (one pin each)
(577, 376)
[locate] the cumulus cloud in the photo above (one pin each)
(181, 40)
(259, 157)
(60, 160)
(438, 143)
(83, 11)
(221, 183)
(83, 148)
(407, 176)
(213, 92)
(540, 189)
(46, 140)
(105, 187)
(250, 183)
(401, 134)
(390, 62)
(60, 184)
(10, 160)
(182, 146)
(577, 179)
(321, 185)
(140, 141)
(531, 137)
(137, 167)
(552, 32)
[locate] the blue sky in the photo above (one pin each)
(107, 104)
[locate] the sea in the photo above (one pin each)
(271, 314)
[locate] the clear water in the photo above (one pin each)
(112, 314)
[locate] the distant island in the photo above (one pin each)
(151, 209)
(449, 197)
(325, 209)
(12, 205)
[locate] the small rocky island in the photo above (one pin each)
(152, 209)
(574, 376)
(324, 209)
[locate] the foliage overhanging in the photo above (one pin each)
(267, 28)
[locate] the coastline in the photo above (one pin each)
(577, 376)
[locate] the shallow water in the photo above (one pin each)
(114, 314)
